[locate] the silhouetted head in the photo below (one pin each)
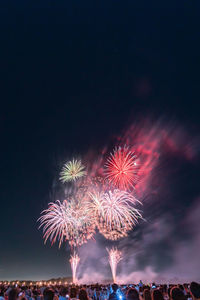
(132, 294)
(147, 294)
(157, 295)
(48, 294)
(13, 294)
(195, 290)
(73, 292)
(115, 287)
(83, 294)
(177, 294)
(64, 291)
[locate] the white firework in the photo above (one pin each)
(67, 221)
(114, 258)
(115, 212)
(74, 260)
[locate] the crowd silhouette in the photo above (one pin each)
(102, 292)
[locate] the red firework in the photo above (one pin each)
(121, 168)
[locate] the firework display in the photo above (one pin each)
(115, 212)
(121, 168)
(67, 221)
(96, 201)
(114, 258)
(74, 260)
(72, 171)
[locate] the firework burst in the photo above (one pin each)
(114, 234)
(114, 258)
(114, 212)
(72, 171)
(74, 260)
(121, 168)
(67, 221)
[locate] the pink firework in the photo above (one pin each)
(114, 258)
(114, 212)
(121, 168)
(74, 260)
(67, 220)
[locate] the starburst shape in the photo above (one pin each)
(121, 168)
(72, 170)
(114, 212)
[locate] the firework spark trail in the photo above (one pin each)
(114, 258)
(121, 168)
(67, 221)
(114, 212)
(72, 171)
(152, 139)
(74, 260)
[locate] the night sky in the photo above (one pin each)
(74, 74)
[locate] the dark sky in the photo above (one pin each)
(73, 74)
